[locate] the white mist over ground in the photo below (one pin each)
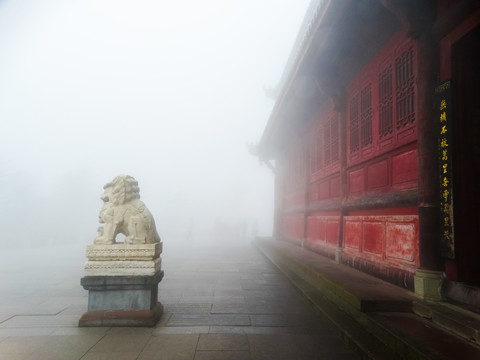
(170, 92)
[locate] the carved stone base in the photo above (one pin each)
(123, 259)
(428, 284)
(122, 300)
(123, 267)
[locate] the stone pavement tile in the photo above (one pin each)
(220, 291)
(222, 355)
(225, 299)
(207, 319)
(186, 308)
(111, 356)
(291, 305)
(41, 321)
(181, 330)
(261, 308)
(168, 298)
(170, 347)
(80, 331)
(202, 299)
(297, 347)
(164, 319)
(4, 317)
(223, 342)
(123, 340)
(290, 320)
(248, 330)
(77, 310)
(26, 331)
(198, 290)
(47, 347)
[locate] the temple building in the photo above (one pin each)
(375, 142)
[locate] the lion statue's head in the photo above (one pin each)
(122, 189)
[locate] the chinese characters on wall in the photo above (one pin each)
(443, 103)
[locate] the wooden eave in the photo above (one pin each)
(347, 34)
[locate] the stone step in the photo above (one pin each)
(419, 338)
(380, 310)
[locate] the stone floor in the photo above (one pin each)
(221, 302)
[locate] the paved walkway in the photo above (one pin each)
(221, 302)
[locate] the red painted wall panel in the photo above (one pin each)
(373, 237)
(352, 233)
(390, 239)
(356, 181)
(323, 229)
(324, 190)
(293, 226)
(295, 199)
(405, 167)
(332, 231)
(335, 187)
(396, 170)
(401, 240)
(377, 175)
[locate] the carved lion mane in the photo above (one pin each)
(124, 213)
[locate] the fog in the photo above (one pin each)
(170, 92)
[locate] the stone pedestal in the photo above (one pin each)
(428, 284)
(122, 283)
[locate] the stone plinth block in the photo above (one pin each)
(124, 251)
(428, 284)
(122, 300)
(122, 267)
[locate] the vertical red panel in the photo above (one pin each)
(373, 237)
(332, 232)
(335, 187)
(400, 242)
(352, 233)
(377, 175)
(405, 167)
(356, 181)
(324, 190)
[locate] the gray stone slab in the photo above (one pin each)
(225, 299)
(181, 330)
(287, 320)
(42, 321)
(248, 330)
(111, 356)
(122, 342)
(292, 347)
(222, 355)
(47, 347)
(223, 342)
(170, 347)
(201, 299)
(207, 319)
(188, 308)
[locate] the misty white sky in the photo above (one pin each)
(169, 92)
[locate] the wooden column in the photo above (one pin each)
(428, 186)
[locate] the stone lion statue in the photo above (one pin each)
(124, 213)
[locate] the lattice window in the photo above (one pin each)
(316, 152)
(335, 139)
(327, 150)
(385, 106)
(354, 120)
(381, 102)
(366, 116)
(404, 89)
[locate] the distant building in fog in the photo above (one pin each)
(375, 136)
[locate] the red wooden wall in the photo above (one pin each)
(380, 157)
